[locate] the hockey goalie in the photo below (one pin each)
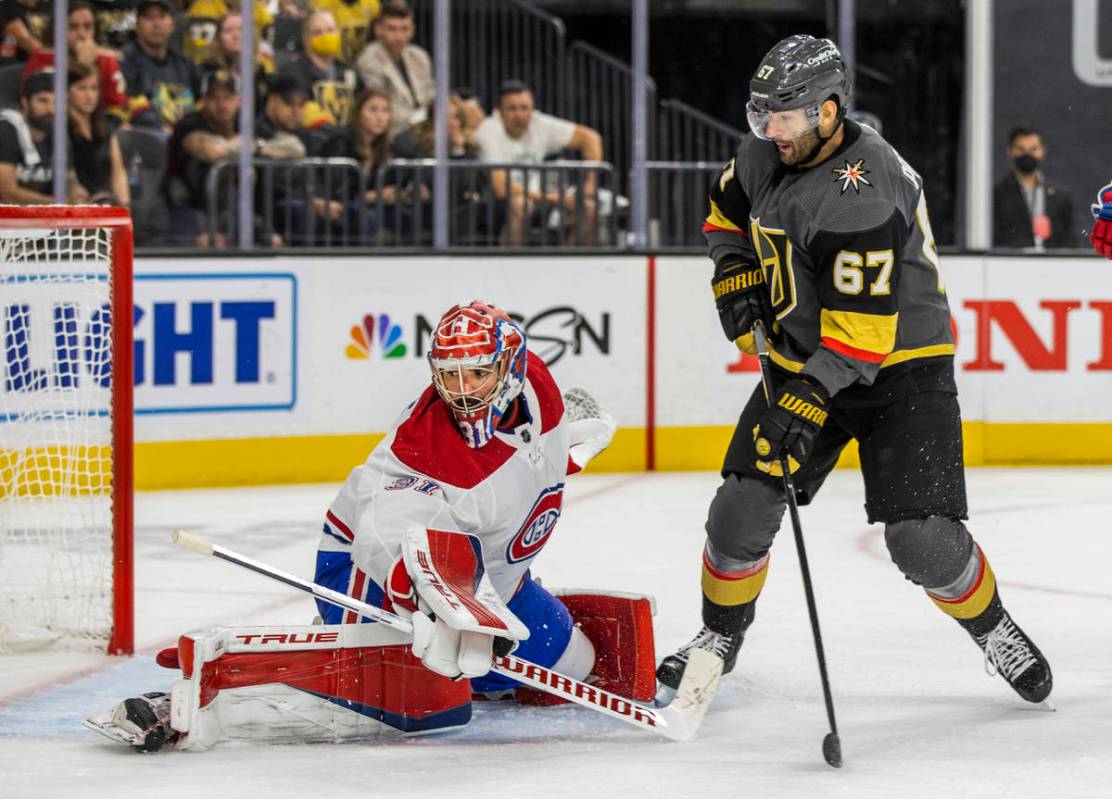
(440, 525)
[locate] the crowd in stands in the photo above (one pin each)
(347, 82)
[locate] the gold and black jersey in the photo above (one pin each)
(849, 259)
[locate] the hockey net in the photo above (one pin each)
(65, 428)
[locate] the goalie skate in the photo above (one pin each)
(142, 722)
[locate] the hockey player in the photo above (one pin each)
(1101, 235)
(441, 525)
(818, 229)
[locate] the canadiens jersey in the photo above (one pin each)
(508, 492)
(849, 259)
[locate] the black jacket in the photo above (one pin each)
(1011, 221)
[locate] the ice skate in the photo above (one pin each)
(671, 669)
(1012, 655)
(142, 722)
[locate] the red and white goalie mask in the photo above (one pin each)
(478, 367)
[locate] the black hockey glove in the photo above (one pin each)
(742, 300)
(790, 426)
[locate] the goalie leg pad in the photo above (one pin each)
(318, 683)
(619, 625)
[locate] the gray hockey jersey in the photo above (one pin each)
(850, 263)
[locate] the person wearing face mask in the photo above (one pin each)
(353, 18)
(330, 83)
(1028, 210)
(27, 148)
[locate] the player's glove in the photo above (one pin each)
(1102, 226)
(742, 300)
(590, 428)
(790, 426)
(440, 585)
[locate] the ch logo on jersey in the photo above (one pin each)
(538, 526)
(389, 339)
(852, 175)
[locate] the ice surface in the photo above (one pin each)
(918, 716)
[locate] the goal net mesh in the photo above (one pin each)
(56, 537)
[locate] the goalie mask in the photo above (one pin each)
(478, 367)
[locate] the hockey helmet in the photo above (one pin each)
(798, 72)
(478, 366)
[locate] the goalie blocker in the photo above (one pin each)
(349, 681)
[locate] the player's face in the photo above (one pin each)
(792, 133)
(84, 95)
(469, 388)
(79, 27)
(516, 111)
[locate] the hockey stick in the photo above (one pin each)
(831, 743)
(678, 721)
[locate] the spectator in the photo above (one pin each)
(97, 161)
(115, 22)
(161, 82)
(224, 50)
(1027, 209)
(82, 45)
(401, 68)
(516, 133)
(203, 23)
(281, 137)
(17, 36)
(201, 139)
(330, 84)
(354, 19)
(367, 141)
(26, 146)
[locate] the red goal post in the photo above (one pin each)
(66, 419)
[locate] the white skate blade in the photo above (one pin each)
(106, 726)
(1047, 705)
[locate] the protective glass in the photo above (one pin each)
(780, 125)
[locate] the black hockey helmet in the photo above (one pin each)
(798, 72)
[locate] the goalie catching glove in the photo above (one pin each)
(590, 428)
(440, 585)
(790, 426)
(742, 301)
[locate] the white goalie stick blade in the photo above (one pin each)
(697, 689)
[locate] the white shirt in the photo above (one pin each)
(545, 136)
(508, 492)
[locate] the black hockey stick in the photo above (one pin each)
(831, 743)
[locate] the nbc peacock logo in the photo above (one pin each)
(363, 336)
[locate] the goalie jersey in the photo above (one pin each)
(508, 493)
(849, 261)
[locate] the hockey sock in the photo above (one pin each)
(730, 589)
(970, 596)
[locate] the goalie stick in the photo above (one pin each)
(678, 721)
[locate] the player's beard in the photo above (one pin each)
(800, 149)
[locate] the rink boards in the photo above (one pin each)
(276, 369)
